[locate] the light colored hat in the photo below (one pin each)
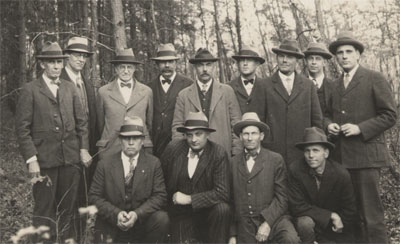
(202, 55)
(166, 52)
(346, 38)
(132, 126)
(250, 118)
(290, 47)
(51, 50)
(248, 52)
(195, 121)
(125, 56)
(78, 44)
(314, 135)
(315, 48)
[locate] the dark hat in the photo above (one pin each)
(346, 38)
(250, 118)
(315, 48)
(195, 121)
(132, 126)
(314, 135)
(290, 47)
(51, 50)
(166, 52)
(247, 52)
(125, 56)
(202, 55)
(78, 44)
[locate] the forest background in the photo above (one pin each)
(222, 26)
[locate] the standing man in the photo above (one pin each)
(321, 195)
(196, 175)
(259, 189)
(217, 101)
(360, 110)
(128, 190)
(292, 103)
(249, 89)
(316, 57)
(52, 134)
(123, 97)
(165, 89)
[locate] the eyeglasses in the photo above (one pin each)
(80, 55)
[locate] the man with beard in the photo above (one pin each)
(166, 87)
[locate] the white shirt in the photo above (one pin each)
(352, 72)
(73, 76)
(127, 164)
(287, 81)
(319, 80)
(207, 85)
(251, 161)
(249, 86)
(165, 85)
(192, 163)
(126, 91)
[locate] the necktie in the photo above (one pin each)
(251, 154)
(204, 88)
(317, 177)
(246, 82)
(193, 154)
(129, 176)
(82, 93)
(55, 82)
(166, 81)
(346, 80)
(288, 86)
(127, 84)
(315, 82)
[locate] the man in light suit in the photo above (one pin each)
(125, 96)
(166, 87)
(128, 190)
(360, 109)
(259, 186)
(52, 134)
(217, 101)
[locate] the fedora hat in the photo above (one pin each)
(247, 52)
(202, 55)
(250, 118)
(315, 48)
(346, 38)
(166, 52)
(195, 121)
(78, 44)
(125, 56)
(290, 47)
(314, 135)
(51, 50)
(132, 126)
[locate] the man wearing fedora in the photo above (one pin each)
(166, 87)
(196, 175)
(259, 186)
(128, 190)
(217, 101)
(321, 195)
(124, 96)
(249, 89)
(51, 128)
(361, 108)
(292, 103)
(316, 57)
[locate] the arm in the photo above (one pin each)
(235, 116)
(316, 113)
(179, 117)
(149, 119)
(81, 121)
(100, 111)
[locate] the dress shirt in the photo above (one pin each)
(74, 77)
(165, 85)
(318, 81)
(287, 81)
(317, 175)
(249, 86)
(127, 164)
(192, 161)
(352, 72)
(126, 91)
(251, 161)
(207, 85)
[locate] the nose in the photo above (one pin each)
(130, 142)
(284, 58)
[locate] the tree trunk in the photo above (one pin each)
(85, 21)
(95, 76)
(203, 27)
(229, 23)
(320, 18)
(238, 25)
(153, 18)
(119, 24)
(219, 43)
(263, 41)
(22, 44)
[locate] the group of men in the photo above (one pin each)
(287, 159)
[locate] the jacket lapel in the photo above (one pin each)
(216, 96)
(238, 86)
(140, 172)
(242, 167)
(258, 165)
(279, 88)
(202, 164)
(136, 95)
(117, 172)
(115, 94)
(297, 88)
(46, 90)
(327, 183)
(193, 96)
(354, 81)
(309, 182)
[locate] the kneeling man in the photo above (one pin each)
(321, 193)
(129, 191)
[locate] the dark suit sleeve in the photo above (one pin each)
(179, 116)
(81, 120)
(100, 111)
(316, 113)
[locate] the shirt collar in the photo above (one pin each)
(125, 158)
(49, 81)
(72, 75)
(200, 84)
(199, 153)
(319, 79)
(243, 79)
(258, 150)
(172, 77)
(353, 71)
(129, 81)
(284, 77)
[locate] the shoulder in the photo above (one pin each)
(106, 87)
(273, 157)
(182, 78)
(297, 166)
(143, 87)
(107, 162)
(150, 159)
(173, 146)
(340, 171)
(185, 90)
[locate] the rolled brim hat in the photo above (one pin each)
(125, 56)
(313, 136)
(132, 126)
(78, 44)
(195, 121)
(317, 49)
(51, 50)
(290, 47)
(346, 38)
(247, 52)
(166, 52)
(248, 119)
(202, 55)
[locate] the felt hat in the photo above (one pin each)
(346, 38)
(195, 121)
(78, 44)
(51, 50)
(166, 52)
(312, 136)
(132, 126)
(247, 52)
(290, 47)
(315, 48)
(250, 118)
(202, 55)
(125, 56)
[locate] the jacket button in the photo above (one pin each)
(343, 112)
(249, 182)
(250, 206)
(57, 128)
(251, 212)
(249, 194)
(62, 141)
(55, 115)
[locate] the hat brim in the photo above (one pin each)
(78, 51)
(198, 60)
(302, 145)
(131, 133)
(125, 62)
(165, 58)
(238, 57)
(238, 127)
(334, 45)
(184, 129)
(323, 54)
(51, 56)
(296, 54)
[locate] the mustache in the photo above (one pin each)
(167, 70)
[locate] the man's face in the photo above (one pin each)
(316, 155)
(167, 68)
(315, 64)
(204, 71)
(76, 60)
(347, 57)
(248, 66)
(197, 139)
(286, 63)
(131, 145)
(52, 67)
(125, 71)
(251, 137)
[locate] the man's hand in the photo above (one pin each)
(350, 129)
(263, 232)
(337, 223)
(34, 169)
(86, 159)
(333, 129)
(132, 220)
(123, 219)
(232, 240)
(181, 199)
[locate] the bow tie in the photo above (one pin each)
(246, 82)
(55, 82)
(193, 154)
(127, 84)
(166, 81)
(315, 174)
(251, 154)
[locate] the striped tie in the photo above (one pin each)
(129, 176)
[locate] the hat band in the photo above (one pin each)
(78, 46)
(51, 53)
(125, 58)
(197, 123)
(131, 128)
(315, 49)
(289, 48)
(166, 53)
(247, 53)
(204, 56)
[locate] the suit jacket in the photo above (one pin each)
(112, 109)
(210, 179)
(164, 113)
(335, 194)
(264, 189)
(368, 103)
(288, 116)
(52, 129)
(224, 113)
(107, 191)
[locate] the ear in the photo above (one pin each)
(262, 135)
(326, 152)
(41, 64)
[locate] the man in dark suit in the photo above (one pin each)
(361, 108)
(321, 195)
(52, 134)
(165, 90)
(196, 176)
(259, 186)
(292, 103)
(129, 191)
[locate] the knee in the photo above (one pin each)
(290, 237)
(305, 223)
(161, 218)
(221, 210)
